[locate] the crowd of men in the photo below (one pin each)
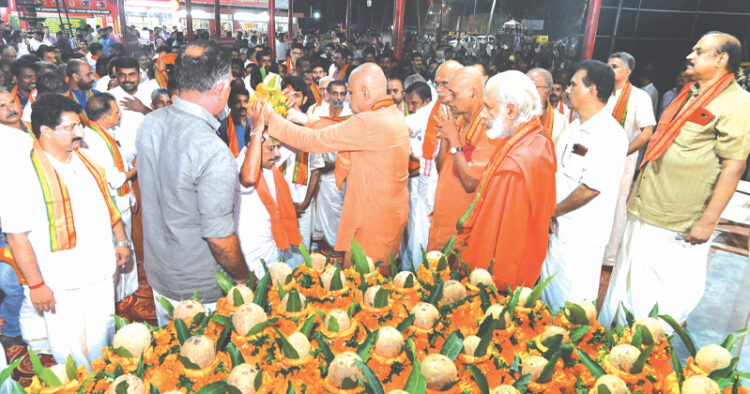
(531, 169)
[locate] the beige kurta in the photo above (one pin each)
(376, 201)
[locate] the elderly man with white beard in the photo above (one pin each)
(509, 217)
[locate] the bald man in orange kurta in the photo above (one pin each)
(451, 196)
(377, 142)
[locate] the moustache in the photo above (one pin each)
(689, 64)
(77, 139)
(12, 114)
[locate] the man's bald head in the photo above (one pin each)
(466, 88)
(442, 75)
(543, 81)
(715, 54)
(367, 84)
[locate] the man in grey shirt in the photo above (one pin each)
(188, 180)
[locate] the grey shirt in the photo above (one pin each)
(188, 181)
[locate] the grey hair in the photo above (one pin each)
(324, 79)
(515, 87)
(159, 92)
(203, 72)
(545, 74)
(408, 81)
(626, 58)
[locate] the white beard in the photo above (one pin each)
(498, 129)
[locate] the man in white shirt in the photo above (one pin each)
(104, 114)
(632, 108)
(591, 159)
(68, 262)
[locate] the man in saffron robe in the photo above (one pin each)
(509, 217)
(373, 157)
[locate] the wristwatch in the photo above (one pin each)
(127, 244)
(455, 150)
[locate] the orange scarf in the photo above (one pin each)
(62, 233)
(413, 163)
(672, 120)
(429, 143)
(548, 120)
(620, 112)
(339, 75)
(232, 137)
(344, 159)
(115, 152)
(289, 66)
(474, 129)
(316, 93)
(469, 217)
(14, 93)
(283, 215)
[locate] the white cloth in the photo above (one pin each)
(558, 126)
(653, 94)
(125, 133)
(655, 267)
(639, 115)
(14, 148)
(570, 115)
(162, 316)
(280, 51)
(577, 268)
(102, 83)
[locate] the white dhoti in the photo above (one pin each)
(328, 206)
(654, 267)
(577, 268)
(162, 316)
(621, 210)
(33, 329)
(418, 225)
(82, 324)
(126, 275)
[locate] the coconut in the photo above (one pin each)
(470, 345)
(135, 385)
(700, 385)
(242, 378)
(713, 357)
(555, 330)
(397, 392)
(200, 350)
(495, 310)
(481, 275)
(533, 366)
(342, 368)
(655, 327)
(425, 315)
(279, 272)
(624, 356)
(390, 342)
(300, 343)
(187, 309)
(453, 292)
(370, 295)
(61, 373)
(589, 308)
(614, 384)
(525, 293)
(246, 317)
(135, 337)
(439, 371)
(245, 293)
(318, 261)
(433, 258)
(286, 298)
(401, 277)
(341, 317)
(328, 275)
(505, 389)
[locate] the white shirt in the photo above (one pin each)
(15, 146)
(324, 109)
(131, 120)
(592, 153)
(103, 83)
(640, 111)
(93, 258)
(287, 157)
(558, 126)
(99, 152)
(426, 182)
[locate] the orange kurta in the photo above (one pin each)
(512, 223)
(377, 200)
(451, 200)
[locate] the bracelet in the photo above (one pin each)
(36, 286)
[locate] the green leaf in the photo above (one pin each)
(139, 369)
(491, 267)
(646, 337)
(305, 255)
(479, 378)
(324, 349)
(725, 372)
(654, 311)
(225, 321)
(549, 370)
(224, 282)
(487, 326)
(448, 248)
(290, 389)
(629, 317)
(437, 293)
(371, 381)
(234, 354)
(484, 298)
(237, 299)
(381, 297)
(308, 326)
(196, 297)
(512, 303)
(286, 347)
(553, 345)
(123, 352)
(681, 333)
(280, 290)
(484, 340)
(258, 381)
(182, 331)
(333, 325)
(120, 322)
(676, 364)
(602, 389)
(415, 383)
(359, 259)
(219, 387)
(732, 339)
(8, 371)
(442, 263)
(566, 352)
(265, 265)
(261, 326)
(409, 282)
(16, 388)
(536, 293)
(122, 388)
(336, 283)
(392, 258)
(197, 320)
(260, 298)
(224, 337)
(351, 310)
(637, 337)
(577, 333)
(575, 314)
(166, 305)
(640, 362)
(70, 368)
(365, 348)
(522, 383)
(404, 324)
(118, 371)
(596, 370)
(453, 345)
(187, 363)
(252, 281)
(294, 301)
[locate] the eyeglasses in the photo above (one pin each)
(392, 91)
